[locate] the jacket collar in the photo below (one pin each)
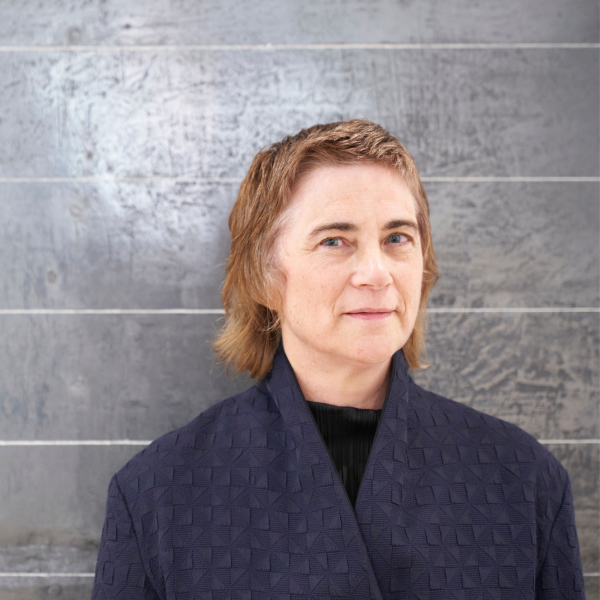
(283, 387)
(380, 495)
(282, 374)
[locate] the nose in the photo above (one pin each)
(371, 269)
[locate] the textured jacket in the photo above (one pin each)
(244, 502)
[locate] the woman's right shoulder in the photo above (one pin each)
(190, 443)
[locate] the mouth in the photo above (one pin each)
(370, 314)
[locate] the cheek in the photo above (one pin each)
(310, 289)
(409, 282)
(417, 279)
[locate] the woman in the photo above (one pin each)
(336, 476)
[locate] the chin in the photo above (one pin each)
(373, 351)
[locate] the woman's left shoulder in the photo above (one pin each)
(490, 438)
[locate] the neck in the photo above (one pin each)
(341, 382)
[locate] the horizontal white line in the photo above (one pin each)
(572, 441)
(112, 311)
(220, 311)
(513, 310)
(147, 442)
(591, 574)
(263, 47)
(510, 179)
(75, 442)
(194, 179)
(25, 574)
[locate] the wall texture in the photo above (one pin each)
(126, 127)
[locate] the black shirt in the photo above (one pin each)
(348, 433)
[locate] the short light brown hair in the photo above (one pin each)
(251, 332)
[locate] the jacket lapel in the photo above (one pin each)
(347, 538)
(379, 506)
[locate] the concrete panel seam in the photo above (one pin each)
(271, 47)
(517, 310)
(510, 179)
(75, 442)
(25, 574)
(432, 179)
(112, 311)
(570, 441)
(123, 179)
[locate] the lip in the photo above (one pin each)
(370, 314)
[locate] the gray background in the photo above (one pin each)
(126, 127)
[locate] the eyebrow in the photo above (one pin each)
(345, 226)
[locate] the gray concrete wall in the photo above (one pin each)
(125, 129)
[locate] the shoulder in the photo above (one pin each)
(214, 428)
(483, 438)
(493, 464)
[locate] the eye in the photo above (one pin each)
(332, 242)
(397, 238)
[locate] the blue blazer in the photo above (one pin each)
(244, 502)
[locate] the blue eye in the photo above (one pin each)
(396, 238)
(331, 242)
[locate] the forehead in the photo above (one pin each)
(356, 192)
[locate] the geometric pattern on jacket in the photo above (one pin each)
(244, 502)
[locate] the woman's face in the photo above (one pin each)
(352, 263)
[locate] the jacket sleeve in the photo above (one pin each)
(120, 572)
(561, 575)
